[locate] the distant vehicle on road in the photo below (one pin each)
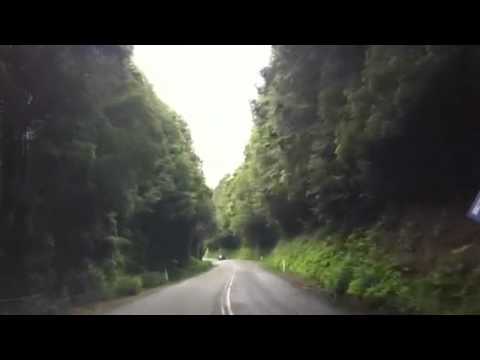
(221, 257)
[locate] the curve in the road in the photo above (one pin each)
(227, 304)
(232, 287)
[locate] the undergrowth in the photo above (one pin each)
(355, 266)
(102, 286)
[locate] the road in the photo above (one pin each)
(232, 287)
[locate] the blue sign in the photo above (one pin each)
(474, 212)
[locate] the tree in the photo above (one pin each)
(96, 172)
(344, 133)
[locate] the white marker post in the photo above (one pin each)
(166, 274)
(283, 265)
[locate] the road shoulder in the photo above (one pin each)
(105, 306)
(346, 303)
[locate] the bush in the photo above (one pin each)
(153, 279)
(97, 279)
(225, 241)
(245, 253)
(193, 267)
(196, 266)
(354, 267)
(357, 267)
(127, 285)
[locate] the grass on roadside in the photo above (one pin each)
(243, 253)
(354, 267)
(193, 268)
(129, 285)
(153, 279)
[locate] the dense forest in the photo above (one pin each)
(98, 178)
(358, 175)
(359, 172)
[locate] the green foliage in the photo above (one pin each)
(348, 135)
(94, 168)
(244, 253)
(224, 241)
(360, 269)
(127, 285)
(344, 132)
(153, 279)
(99, 282)
(193, 267)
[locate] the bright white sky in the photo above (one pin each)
(210, 86)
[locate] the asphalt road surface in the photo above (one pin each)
(232, 287)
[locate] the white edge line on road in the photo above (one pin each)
(229, 288)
